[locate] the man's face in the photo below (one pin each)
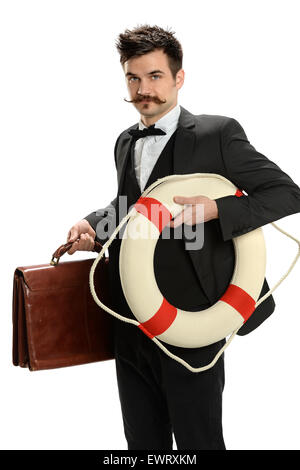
(151, 85)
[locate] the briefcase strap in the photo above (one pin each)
(62, 249)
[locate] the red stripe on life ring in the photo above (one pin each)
(240, 300)
(154, 210)
(160, 321)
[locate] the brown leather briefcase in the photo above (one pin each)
(56, 322)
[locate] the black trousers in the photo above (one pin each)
(160, 397)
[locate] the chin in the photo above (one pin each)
(148, 110)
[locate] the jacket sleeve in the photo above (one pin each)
(271, 193)
(103, 220)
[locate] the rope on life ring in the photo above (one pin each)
(160, 320)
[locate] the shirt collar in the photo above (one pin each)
(167, 123)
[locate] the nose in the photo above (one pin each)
(144, 88)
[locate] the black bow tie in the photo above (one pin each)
(151, 130)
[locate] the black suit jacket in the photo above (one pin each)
(218, 144)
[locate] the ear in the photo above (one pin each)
(180, 78)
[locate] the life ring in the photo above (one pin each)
(156, 316)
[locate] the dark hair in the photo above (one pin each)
(146, 38)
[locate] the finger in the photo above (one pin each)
(188, 216)
(70, 236)
(90, 241)
(80, 244)
(178, 220)
(92, 244)
(91, 232)
(184, 200)
(73, 234)
(86, 242)
(185, 216)
(73, 248)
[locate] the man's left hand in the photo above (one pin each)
(191, 214)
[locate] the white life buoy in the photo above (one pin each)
(156, 316)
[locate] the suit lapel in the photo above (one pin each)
(123, 156)
(184, 143)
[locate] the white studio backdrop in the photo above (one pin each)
(62, 109)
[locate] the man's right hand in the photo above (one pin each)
(83, 237)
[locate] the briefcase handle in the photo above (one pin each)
(62, 249)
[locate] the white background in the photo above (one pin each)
(62, 108)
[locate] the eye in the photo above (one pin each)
(132, 78)
(158, 76)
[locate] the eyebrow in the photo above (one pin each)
(129, 74)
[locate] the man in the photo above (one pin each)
(159, 396)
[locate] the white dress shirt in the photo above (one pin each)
(148, 149)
